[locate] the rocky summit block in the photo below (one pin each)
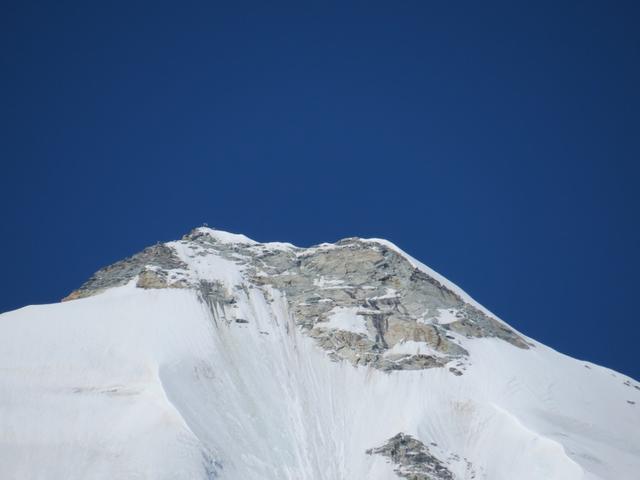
(363, 301)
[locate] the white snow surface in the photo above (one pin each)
(446, 315)
(347, 319)
(226, 237)
(147, 384)
(411, 347)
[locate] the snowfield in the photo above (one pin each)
(139, 383)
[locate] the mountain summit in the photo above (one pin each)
(216, 356)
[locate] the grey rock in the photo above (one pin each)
(122, 272)
(413, 459)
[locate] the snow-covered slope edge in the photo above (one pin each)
(238, 360)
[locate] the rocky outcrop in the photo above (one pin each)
(362, 301)
(413, 459)
(150, 266)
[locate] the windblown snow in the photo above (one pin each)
(219, 357)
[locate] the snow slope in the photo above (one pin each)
(136, 383)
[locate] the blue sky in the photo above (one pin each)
(496, 142)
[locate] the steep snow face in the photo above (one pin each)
(219, 357)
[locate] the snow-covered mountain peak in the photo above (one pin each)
(365, 301)
(218, 357)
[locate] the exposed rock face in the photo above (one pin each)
(150, 266)
(361, 300)
(153, 277)
(415, 461)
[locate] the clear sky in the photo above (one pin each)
(498, 142)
